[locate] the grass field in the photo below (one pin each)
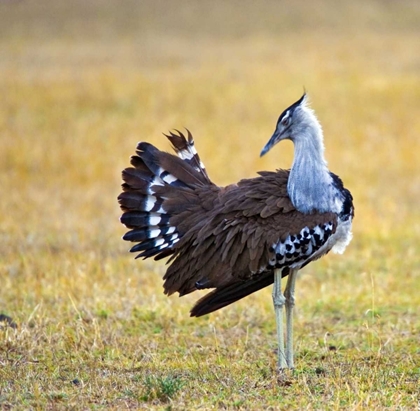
(82, 82)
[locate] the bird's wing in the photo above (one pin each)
(233, 239)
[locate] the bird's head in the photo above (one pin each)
(293, 124)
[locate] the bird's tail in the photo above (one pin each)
(156, 190)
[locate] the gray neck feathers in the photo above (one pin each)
(310, 184)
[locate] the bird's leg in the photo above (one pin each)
(279, 301)
(289, 294)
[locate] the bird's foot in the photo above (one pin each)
(284, 376)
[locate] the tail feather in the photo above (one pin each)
(154, 245)
(135, 200)
(170, 169)
(140, 166)
(160, 247)
(152, 158)
(151, 232)
(143, 219)
(186, 151)
(134, 180)
(156, 190)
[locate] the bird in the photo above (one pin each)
(238, 239)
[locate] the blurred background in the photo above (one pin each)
(82, 82)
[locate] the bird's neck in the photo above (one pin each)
(310, 184)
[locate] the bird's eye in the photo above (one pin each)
(285, 121)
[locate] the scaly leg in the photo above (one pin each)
(279, 301)
(289, 294)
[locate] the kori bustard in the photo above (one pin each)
(243, 237)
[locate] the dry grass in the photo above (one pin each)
(81, 83)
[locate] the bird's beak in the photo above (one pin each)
(275, 138)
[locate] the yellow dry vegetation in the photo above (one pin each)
(82, 82)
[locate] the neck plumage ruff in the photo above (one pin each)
(243, 237)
